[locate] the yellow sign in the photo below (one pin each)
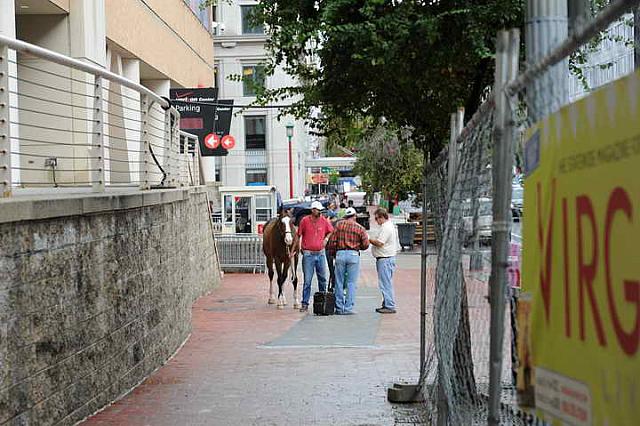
(581, 259)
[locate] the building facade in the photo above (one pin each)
(159, 44)
(609, 61)
(261, 155)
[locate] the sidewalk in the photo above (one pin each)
(247, 363)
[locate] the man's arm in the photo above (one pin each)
(329, 230)
(376, 242)
(364, 240)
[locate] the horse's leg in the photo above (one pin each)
(294, 280)
(282, 276)
(285, 273)
(272, 298)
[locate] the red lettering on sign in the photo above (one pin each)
(545, 271)
(587, 272)
(567, 294)
(619, 200)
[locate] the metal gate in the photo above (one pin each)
(240, 252)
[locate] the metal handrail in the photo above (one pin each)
(24, 47)
(155, 155)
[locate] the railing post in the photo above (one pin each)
(181, 168)
(167, 163)
(196, 162)
(5, 123)
(145, 156)
(97, 159)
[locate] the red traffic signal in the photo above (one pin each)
(228, 142)
(212, 141)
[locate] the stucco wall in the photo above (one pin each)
(166, 35)
(95, 294)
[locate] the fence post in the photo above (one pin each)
(507, 54)
(144, 133)
(98, 173)
(5, 123)
(457, 124)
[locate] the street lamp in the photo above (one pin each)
(289, 136)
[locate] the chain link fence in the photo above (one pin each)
(458, 346)
(465, 192)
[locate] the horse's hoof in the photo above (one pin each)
(272, 301)
(280, 306)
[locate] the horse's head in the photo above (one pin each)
(285, 227)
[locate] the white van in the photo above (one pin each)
(356, 197)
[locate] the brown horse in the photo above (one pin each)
(279, 239)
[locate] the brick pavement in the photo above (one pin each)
(227, 375)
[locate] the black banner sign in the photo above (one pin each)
(199, 115)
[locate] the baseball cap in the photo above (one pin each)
(317, 205)
(350, 212)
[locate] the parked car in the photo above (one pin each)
(517, 202)
(485, 220)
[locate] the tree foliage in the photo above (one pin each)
(412, 62)
(388, 162)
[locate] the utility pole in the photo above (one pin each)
(546, 27)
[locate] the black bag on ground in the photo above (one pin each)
(324, 303)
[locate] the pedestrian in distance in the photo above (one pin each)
(332, 212)
(385, 247)
(314, 231)
(350, 238)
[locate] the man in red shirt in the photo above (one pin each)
(347, 240)
(314, 231)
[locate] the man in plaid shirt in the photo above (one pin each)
(347, 240)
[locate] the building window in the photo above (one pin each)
(248, 23)
(263, 208)
(254, 132)
(256, 176)
(252, 78)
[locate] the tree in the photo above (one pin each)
(412, 62)
(389, 163)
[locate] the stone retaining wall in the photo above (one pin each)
(92, 303)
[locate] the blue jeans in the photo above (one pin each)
(386, 267)
(310, 262)
(347, 270)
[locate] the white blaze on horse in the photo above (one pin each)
(279, 243)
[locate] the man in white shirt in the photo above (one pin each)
(384, 249)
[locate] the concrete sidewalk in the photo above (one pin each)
(248, 363)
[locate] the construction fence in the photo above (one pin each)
(478, 365)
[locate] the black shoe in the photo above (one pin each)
(304, 308)
(385, 311)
